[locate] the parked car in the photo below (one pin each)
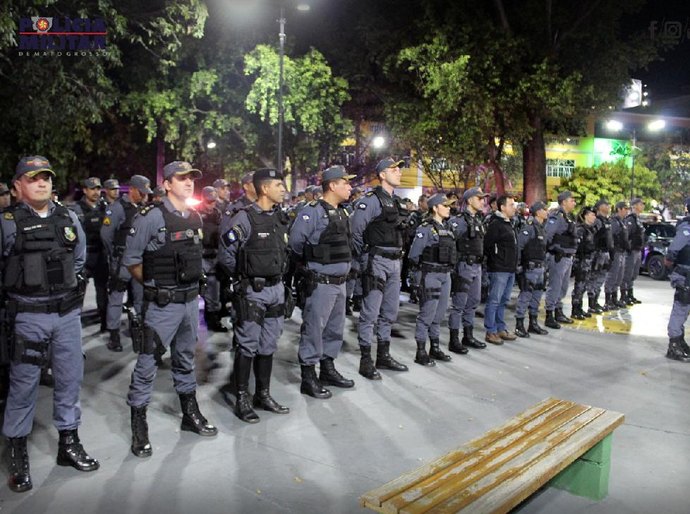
(659, 236)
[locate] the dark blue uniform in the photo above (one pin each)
(679, 255)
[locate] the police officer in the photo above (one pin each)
(111, 188)
(561, 244)
(118, 221)
(353, 286)
(601, 258)
(164, 253)
(5, 197)
(308, 198)
(222, 188)
(530, 273)
(413, 221)
(90, 210)
(43, 249)
(582, 263)
(621, 245)
(210, 216)
(377, 238)
(633, 257)
(432, 256)
(254, 252)
(466, 280)
(678, 259)
(320, 238)
(157, 195)
(248, 197)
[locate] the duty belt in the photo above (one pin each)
(470, 259)
(62, 306)
(535, 265)
(266, 281)
(393, 255)
(165, 296)
(329, 279)
(435, 267)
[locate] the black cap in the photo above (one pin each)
(585, 210)
(388, 162)
(635, 201)
(440, 199)
(537, 206)
(564, 196)
(335, 173)
(92, 183)
(622, 205)
(265, 174)
(600, 202)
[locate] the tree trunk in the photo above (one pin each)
(534, 163)
(499, 178)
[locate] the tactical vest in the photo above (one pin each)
(211, 229)
(636, 233)
(386, 229)
(567, 239)
(264, 253)
(683, 257)
(472, 243)
(443, 251)
(120, 237)
(178, 262)
(586, 246)
(603, 239)
(92, 219)
(620, 240)
(41, 263)
(535, 249)
(334, 242)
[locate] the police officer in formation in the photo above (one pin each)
(254, 252)
(621, 246)
(90, 210)
(320, 239)
(211, 216)
(248, 197)
(432, 256)
(582, 263)
(118, 220)
(164, 253)
(5, 197)
(413, 221)
(601, 258)
(43, 249)
(530, 274)
(466, 279)
(157, 195)
(561, 244)
(633, 258)
(353, 286)
(678, 259)
(111, 188)
(377, 238)
(223, 191)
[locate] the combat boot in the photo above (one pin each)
(576, 311)
(534, 326)
(520, 328)
(618, 303)
(551, 321)
(213, 321)
(348, 307)
(366, 364)
(356, 303)
(263, 366)
(102, 315)
(468, 338)
(311, 385)
(72, 453)
(625, 297)
(422, 357)
(20, 477)
(562, 318)
(329, 375)
(609, 304)
(594, 307)
(114, 344)
(631, 296)
(384, 359)
(141, 447)
(436, 353)
(678, 350)
(455, 345)
(192, 418)
(243, 406)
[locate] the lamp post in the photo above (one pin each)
(281, 54)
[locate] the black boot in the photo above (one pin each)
(618, 303)
(625, 297)
(594, 307)
(366, 364)
(348, 307)
(102, 314)
(72, 453)
(329, 375)
(455, 345)
(436, 353)
(534, 326)
(114, 341)
(243, 405)
(46, 378)
(384, 359)
(20, 478)
(631, 296)
(551, 321)
(520, 328)
(562, 318)
(356, 303)
(141, 447)
(576, 311)
(609, 304)
(678, 350)
(263, 366)
(213, 321)
(192, 418)
(469, 340)
(422, 357)
(311, 385)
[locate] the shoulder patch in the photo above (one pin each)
(526, 232)
(361, 205)
(305, 217)
(8, 216)
(233, 235)
(145, 210)
(420, 234)
(132, 231)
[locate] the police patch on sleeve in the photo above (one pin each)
(132, 231)
(305, 217)
(70, 234)
(420, 235)
(361, 205)
(525, 232)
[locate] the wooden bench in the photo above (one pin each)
(555, 441)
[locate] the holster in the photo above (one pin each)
(458, 284)
(306, 285)
(682, 295)
(136, 328)
(246, 309)
(21, 347)
(7, 335)
(290, 302)
(523, 283)
(150, 342)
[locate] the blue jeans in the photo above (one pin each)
(500, 287)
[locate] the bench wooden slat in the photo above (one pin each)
(531, 470)
(442, 486)
(375, 498)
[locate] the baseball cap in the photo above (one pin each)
(586, 210)
(180, 168)
(141, 183)
(221, 182)
(111, 183)
(32, 166)
(635, 201)
(537, 206)
(309, 189)
(388, 162)
(472, 192)
(622, 205)
(564, 196)
(92, 183)
(335, 173)
(159, 191)
(209, 193)
(265, 174)
(438, 199)
(600, 202)
(247, 178)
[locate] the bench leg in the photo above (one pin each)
(588, 476)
